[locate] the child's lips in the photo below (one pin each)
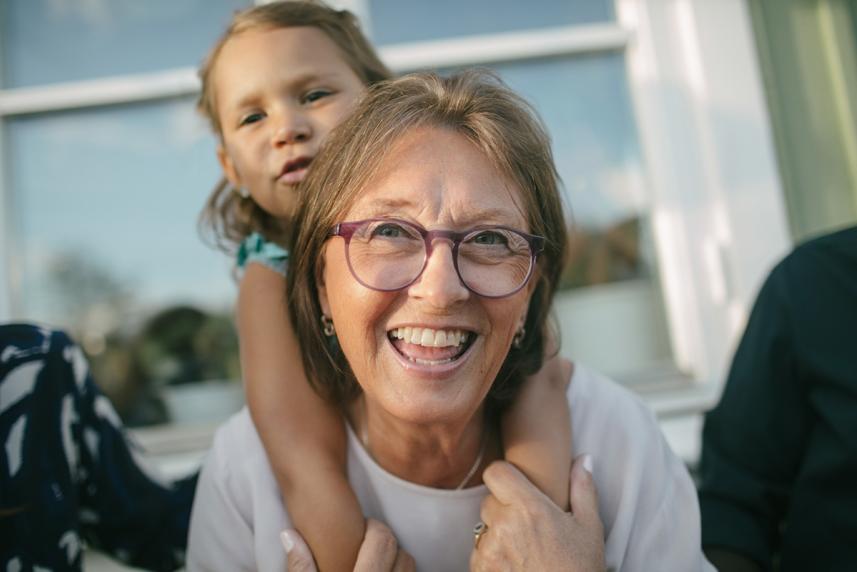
(293, 177)
(294, 171)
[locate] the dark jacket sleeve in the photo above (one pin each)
(754, 439)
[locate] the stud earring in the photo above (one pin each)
(327, 326)
(518, 340)
(242, 192)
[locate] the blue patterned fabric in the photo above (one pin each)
(67, 470)
(256, 249)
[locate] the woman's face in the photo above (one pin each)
(437, 179)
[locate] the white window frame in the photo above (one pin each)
(689, 64)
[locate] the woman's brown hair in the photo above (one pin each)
(228, 217)
(501, 125)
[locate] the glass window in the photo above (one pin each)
(50, 41)
(105, 205)
(611, 311)
(400, 21)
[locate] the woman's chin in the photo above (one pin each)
(434, 390)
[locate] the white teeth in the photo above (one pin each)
(416, 336)
(430, 338)
(440, 339)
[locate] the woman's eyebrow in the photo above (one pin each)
(380, 206)
(490, 216)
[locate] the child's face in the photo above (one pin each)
(278, 94)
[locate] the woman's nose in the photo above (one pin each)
(292, 128)
(439, 283)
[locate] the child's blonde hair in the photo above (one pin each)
(228, 217)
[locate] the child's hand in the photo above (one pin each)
(379, 552)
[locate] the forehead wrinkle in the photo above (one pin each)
(467, 216)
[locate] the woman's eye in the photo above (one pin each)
(315, 95)
(389, 230)
(489, 237)
(252, 118)
(394, 230)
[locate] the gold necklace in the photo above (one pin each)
(364, 438)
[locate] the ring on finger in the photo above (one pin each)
(480, 529)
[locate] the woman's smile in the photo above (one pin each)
(431, 351)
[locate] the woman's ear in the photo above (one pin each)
(228, 167)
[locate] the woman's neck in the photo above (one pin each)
(442, 455)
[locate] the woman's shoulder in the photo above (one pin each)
(237, 455)
(236, 497)
(613, 424)
(647, 500)
(597, 400)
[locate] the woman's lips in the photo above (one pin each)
(431, 352)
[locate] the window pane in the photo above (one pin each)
(398, 21)
(611, 310)
(105, 203)
(50, 41)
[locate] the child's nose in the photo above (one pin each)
(292, 128)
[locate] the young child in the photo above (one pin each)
(280, 79)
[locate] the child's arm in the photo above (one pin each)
(310, 465)
(537, 430)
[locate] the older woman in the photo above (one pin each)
(431, 239)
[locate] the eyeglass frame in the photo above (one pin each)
(347, 229)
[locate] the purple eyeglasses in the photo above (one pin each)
(389, 254)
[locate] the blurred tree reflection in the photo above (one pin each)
(176, 346)
(601, 256)
(134, 362)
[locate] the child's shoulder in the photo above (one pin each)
(257, 249)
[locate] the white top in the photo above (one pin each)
(646, 498)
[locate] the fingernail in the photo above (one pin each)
(287, 541)
(587, 463)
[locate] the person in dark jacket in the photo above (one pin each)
(778, 486)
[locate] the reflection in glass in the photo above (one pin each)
(105, 206)
(50, 41)
(586, 105)
(611, 312)
(400, 21)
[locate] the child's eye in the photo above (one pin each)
(252, 118)
(314, 95)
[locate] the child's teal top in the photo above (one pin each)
(255, 248)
